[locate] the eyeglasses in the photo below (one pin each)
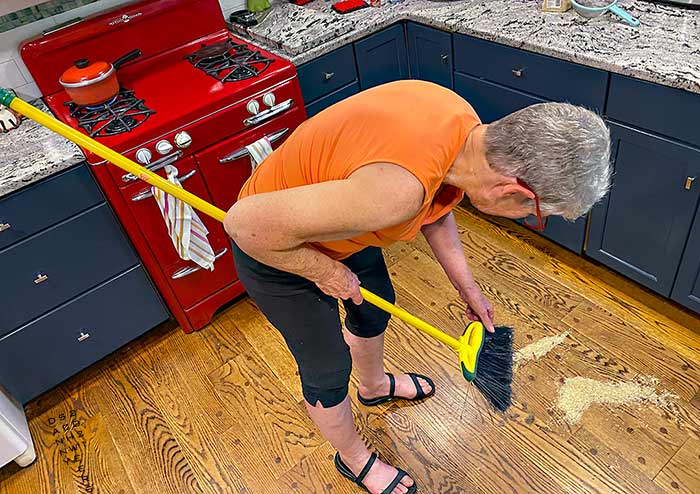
(541, 222)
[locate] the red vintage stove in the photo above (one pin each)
(194, 98)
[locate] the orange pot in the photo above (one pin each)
(94, 83)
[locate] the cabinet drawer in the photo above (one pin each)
(54, 199)
(491, 101)
(61, 262)
(543, 76)
(332, 98)
(661, 109)
(52, 348)
(327, 73)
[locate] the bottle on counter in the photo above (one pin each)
(555, 5)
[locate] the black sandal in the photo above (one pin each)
(347, 473)
(420, 394)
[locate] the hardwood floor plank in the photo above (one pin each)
(643, 351)
(315, 474)
(682, 473)
(283, 432)
(142, 436)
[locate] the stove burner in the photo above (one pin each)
(121, 114)
(228, 61)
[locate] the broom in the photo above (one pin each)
(486, 359)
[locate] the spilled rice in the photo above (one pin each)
(538, 349)
(579, 393)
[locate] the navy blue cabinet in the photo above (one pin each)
(382, 57)
(430, 54)
(687, 287)
(641, 227)
(332, 73)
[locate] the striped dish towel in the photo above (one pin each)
(188, 233)
(259, 150)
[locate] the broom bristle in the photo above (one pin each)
(495, 370)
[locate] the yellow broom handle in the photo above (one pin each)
(409, 318)
(151, 178)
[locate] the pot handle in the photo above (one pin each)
(126, 58)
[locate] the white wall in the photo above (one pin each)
(14, 74)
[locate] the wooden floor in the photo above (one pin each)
(220, 411)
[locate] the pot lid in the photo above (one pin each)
(84, 73)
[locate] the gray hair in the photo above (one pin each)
(560, 150)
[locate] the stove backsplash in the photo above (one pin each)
(14, 74)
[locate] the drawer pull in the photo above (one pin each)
(40, 278)
(689, 182)
(83, 336)
(4, 226)
(269, 113)
(240, 153)
(518, 72)
(156, 165)
(328, 75)
(181, 273)
(146, 193)
(444, 57)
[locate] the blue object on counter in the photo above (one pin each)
(591, 12)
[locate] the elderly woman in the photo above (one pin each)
(377, 168)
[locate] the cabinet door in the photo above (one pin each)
(382, 57)
(687, 287)
(430, 54)
(641, 228)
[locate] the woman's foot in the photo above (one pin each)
(405, 387)
(379, 476)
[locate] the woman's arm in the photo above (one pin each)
(275, 228)
(445, 244)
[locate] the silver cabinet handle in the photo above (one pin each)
(181, 273)
(328, 75)
(146, 193)
(155, 166)
(444, 57)
(4, 226)
(240, 153)
(83, 336)
(518, 72)
(688, 183)
(269, 113)
(40, 278)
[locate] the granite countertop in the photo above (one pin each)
(32, 152)
(664, 49)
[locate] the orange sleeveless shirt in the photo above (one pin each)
(417, 125)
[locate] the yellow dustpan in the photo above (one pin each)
(468, 346)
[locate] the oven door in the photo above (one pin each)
(227, 165)
(190, 283)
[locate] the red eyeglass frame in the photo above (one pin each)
(541, 222)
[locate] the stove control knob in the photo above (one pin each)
(182, 140)
(163, 147)
(269, 99)
(253, 107)
(143, 156)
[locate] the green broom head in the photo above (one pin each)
(487, 361)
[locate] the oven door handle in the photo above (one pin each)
(155, 166)
(146, 193)
(240, 153)
(181, 273)
(269, 113)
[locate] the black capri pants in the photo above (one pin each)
(309, 320)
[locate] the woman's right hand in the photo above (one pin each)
(341, 283)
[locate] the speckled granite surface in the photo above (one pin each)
(32, 152)
(665, 48)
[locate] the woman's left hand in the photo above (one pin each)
(478, 307)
